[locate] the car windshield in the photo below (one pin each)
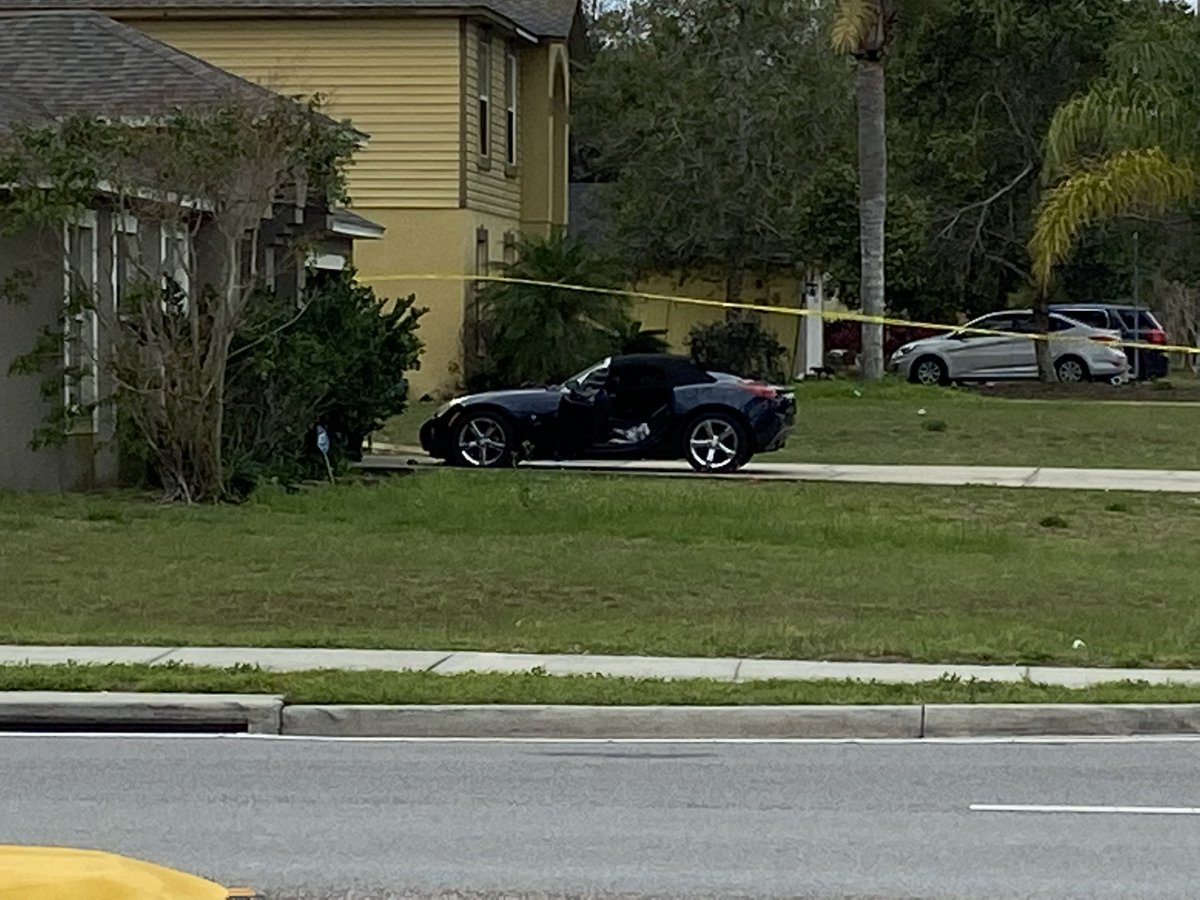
(590, 379)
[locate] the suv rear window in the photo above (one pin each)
(1146, 320)
(1097, 318)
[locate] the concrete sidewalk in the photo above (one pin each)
(1140, 480)
(289, 659)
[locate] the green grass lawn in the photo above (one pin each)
(881, 425)
(423, 687)
(533, 561)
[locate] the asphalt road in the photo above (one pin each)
(809, 820)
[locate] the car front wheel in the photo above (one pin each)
(929, 370)
(716, 443)
(482, 441)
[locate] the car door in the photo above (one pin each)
(638, 405)
(581, 411)
(991, 355)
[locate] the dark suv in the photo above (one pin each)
(1134, 323)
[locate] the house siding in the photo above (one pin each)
(492, 187)
(398, 80)
(84, 460)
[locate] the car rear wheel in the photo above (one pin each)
(1071, 370)
(929, 370)
(482, 440)
(716, 442)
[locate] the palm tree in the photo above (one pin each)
(1130, 144)
(535, 331)
(864, 28)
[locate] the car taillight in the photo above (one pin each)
(1104, 338)
(1156, 336)
(763, 390)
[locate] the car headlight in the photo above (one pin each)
(446, 407)
(903, 351)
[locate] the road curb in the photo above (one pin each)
(135, 712)
(38, 711)
(664, 722)
(1061, 719)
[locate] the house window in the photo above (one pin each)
(124, 260)
(482, 267)
(485, 94)
(510, 106)
(81, 327)
(176, 266)
(510, 247)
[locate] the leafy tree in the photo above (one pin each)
(205, 176)
(541, 333)
(709, 117)
(974, 85)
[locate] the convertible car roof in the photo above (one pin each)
(679, 370)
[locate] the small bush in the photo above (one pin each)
(1054, 522)
(1118, 507)
(739, 346)
(340, 363)
(935, 425)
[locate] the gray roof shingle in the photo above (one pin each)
(544, 18)
(55, 64)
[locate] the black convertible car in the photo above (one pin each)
(648, 406)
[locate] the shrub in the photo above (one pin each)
(339, 362)
(740, 346)
(635, 339)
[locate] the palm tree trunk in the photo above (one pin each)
(1041, 324)
(872, 208)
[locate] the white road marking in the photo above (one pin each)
(899, 742)
(1087, 810)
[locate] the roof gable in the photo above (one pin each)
(552, 19)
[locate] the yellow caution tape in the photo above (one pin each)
(828, 315)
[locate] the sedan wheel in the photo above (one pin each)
(716, 443)
(929, 371)
(1071, 370)
(483, 442)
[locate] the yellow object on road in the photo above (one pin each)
(64, 873)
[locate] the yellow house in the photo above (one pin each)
(466, 105)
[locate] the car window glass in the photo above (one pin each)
(1058, 323)
(591, 380)
(1022, 323)
(1145, 319)
(1097, 318)
(632, 378)
(995, 322)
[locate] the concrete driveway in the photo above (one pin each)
(1143, 480)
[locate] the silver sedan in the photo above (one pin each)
(1080, 352)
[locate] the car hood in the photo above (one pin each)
(513, 395)
(938, 340)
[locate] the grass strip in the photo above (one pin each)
(329, 686)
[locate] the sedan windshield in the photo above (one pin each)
(589, 379)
